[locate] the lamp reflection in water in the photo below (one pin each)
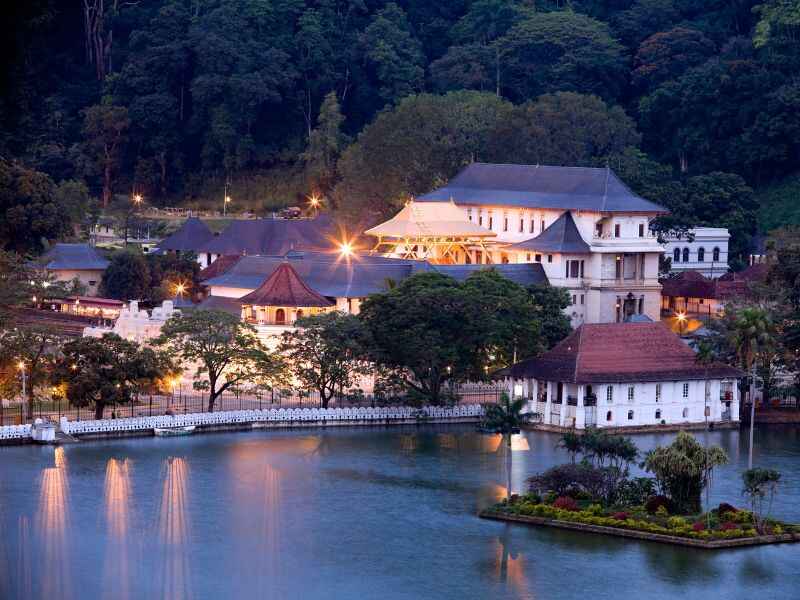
(510, 565)
(116, 583)
(173, 532)
(52, 532)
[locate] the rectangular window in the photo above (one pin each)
(616, 230)
(581, 269)
(630, 393)
(549, 258)
(641, 229)
(542, 226)
(598, 230)
(685, 390)
(480, 219)
(574, 268)
(618, 266)
(505, 223)
(527, 258)
(538, 258)
(491, 222)
(658, 392)
(469, 215)
(609, 395)
(581, 298)
(521, 225)
(533, 225)
(629, 266)
(574, 299)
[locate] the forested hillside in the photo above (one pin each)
(694, 102)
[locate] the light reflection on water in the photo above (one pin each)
(118, 559)
(173, 532)
(52, 527)
(342, 514)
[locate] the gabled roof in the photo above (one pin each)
(429, 219)
(619, 353)
(359, 277)
(218, 267)
(285, 288)
(74, 257)
(692, 284)
(190, 236)
(524, 274)
(561, 237)
(537, 186)
(273, 236)
(223, 303)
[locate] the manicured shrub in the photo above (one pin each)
(566, 503)
(594, 509)
(662, 511)
(655, 502)
(675, 522)
(621, 516)
(698, 526)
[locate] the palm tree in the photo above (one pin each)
(753, 334)
(505, 417)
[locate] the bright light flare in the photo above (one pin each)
(346, 249)
(137, 198)
(313, 200)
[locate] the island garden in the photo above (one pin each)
(598, 495)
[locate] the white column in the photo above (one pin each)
(564, 403)
(549, 402)
(580, 411)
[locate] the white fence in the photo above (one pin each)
(275, 415)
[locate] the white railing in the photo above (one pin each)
(13, 432)
(274, 415)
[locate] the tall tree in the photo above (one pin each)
(106, 371)
(225, 351)
(105, 129)
(127, 276)
(325, 143)
(325, 353)
(551, 302)
(393, 54)
(30, 350)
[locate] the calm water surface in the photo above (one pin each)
(344, 513)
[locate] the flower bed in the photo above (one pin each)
(728, 528)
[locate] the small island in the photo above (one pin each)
(596, 495)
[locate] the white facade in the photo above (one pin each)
(617, 278)
(706, 253)
(137, 325)
(629, 404)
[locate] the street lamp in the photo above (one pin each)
(346, 249)
(681, 322)
(226, 200)
(137, 199)
(21, 367)
(314, 202)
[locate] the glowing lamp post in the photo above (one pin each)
(346, 249)
(314, 202)
(681, 322)
(21, 367)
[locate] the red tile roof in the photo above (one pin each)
(691, 284)
(218, 267)
(619, 352)
(285, 288)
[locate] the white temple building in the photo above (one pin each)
(702, 249)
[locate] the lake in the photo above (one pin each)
(346, 513)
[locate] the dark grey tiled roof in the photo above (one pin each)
(524, 274)
(273, 237)
(78, 257)
(358, 278)
(535, 186)
(229, 305)
(190, 236)
(562, 237)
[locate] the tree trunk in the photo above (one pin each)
(99, 407)
(212, 398)
(106, 182)
(507, 437)
(29, 403)
(752, 417)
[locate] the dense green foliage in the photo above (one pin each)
(171, 98)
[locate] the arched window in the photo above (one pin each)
(701, 255)
(608, 416)
(280, 316)
(676, 255)
(630, 415)
(299, 314)
(715, 255)
(658, 414)
(685, 255)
